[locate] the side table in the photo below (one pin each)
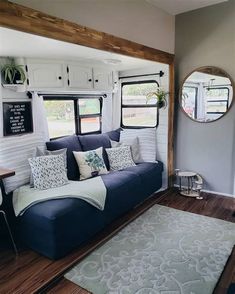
(5, 173)
(193, 186)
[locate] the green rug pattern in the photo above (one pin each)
(164, 251)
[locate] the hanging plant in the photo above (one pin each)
(13, 73)
(160, 95)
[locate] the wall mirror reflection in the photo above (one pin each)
(206, 94)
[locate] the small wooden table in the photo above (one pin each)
(5, 173)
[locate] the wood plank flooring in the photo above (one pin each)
(32, 273)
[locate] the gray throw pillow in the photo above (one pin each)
(48, 171)
(147, 140)
(120, 157)
(135, 148)
(42, 152)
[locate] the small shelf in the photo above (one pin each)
(15, 87)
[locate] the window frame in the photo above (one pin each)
(77, 116)
(220, 100)
(138, 105)
(196, 98)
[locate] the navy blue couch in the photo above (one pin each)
(55, 227)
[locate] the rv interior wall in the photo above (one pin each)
(162, 129)
(127, 19)
(19, 148)
(207, 148)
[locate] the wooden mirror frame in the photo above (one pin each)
(21, 18)
(213, 70)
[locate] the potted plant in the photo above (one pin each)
(13, 73)
(160, 95)
(94, 162)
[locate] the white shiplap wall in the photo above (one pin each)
(162, 129)
(15, 150)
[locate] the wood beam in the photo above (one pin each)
(28, 20)
(171, 102)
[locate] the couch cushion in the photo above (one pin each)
(91, 142)
(72, 144)
(150, 174)
(55, 227)
(114, 135)
(124, 191)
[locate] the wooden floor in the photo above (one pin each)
(32, 273)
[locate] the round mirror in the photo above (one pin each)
(206, 94)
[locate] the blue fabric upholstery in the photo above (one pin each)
(149, 173)
(90, 142)
(53, 228)
(114, 135)
(72, 144)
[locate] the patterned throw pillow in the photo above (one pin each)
(120, 157)
(135, 148)
(42, 152)
(90, 163)
(48, 171)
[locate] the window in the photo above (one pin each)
(89, 115)
(67, 116)
(137, 111)
(189, 100)
(217, 100)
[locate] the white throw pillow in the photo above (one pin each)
(48, 171)
(135, 147)
(147, 141)
(120, 157)
(90, 163)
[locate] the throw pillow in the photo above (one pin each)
(92, 142)
(90, 163)
(48, 171)
(120, 157)
(147, 141)
(42, 152)
(72, 144)
(135, 148)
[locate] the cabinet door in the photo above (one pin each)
(45, 75)
(79, 76)
(103, 79)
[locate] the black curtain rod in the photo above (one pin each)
(68, 96)
(160, 73)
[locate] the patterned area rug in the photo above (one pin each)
(164, 251)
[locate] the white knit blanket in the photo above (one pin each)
(91, 190)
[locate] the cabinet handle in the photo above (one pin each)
(96, 81)
(90, 80)
(60, 78)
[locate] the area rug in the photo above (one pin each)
(164, 251)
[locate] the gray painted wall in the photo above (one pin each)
(207, 37)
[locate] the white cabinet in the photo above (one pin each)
(103, 79)
(79, 76)
(45, 75)
(56, 74)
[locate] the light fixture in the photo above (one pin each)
(112, 61)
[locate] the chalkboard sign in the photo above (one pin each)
(17, 118)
